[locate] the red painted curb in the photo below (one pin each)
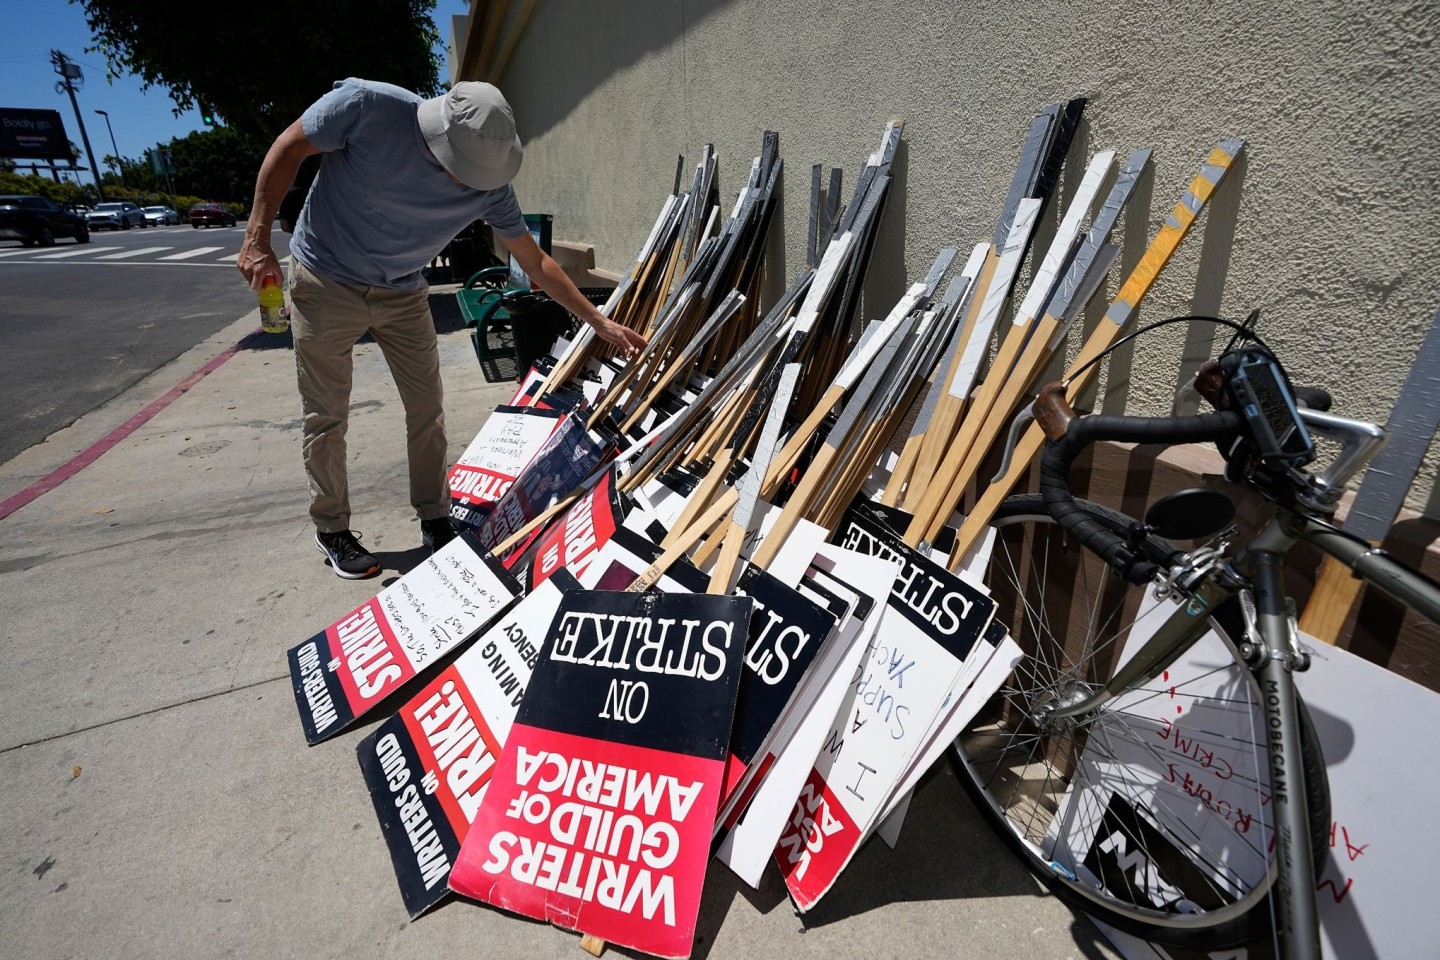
(93, 452)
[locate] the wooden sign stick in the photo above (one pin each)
(704, 524)
(859, 413)
(967, 369)
(948, 407)
(1409, 431)
(700, 498)
(722, 578)
(1136, 286)
(956, 301)
(1079, 283)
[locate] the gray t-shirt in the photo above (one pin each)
(381, 206)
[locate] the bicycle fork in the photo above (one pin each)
(1296, 922)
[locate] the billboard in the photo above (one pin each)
(33, 135)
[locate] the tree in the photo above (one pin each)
(259, 65)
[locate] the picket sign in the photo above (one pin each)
(985, 670)
(428, 766)
(503, 448)
(569, 455)
(758, 813)
(1370, 903)
(598, 817)
(571, 541)
(347, 669)
(787, 632)
(933, 624)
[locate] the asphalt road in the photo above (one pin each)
(81, 323)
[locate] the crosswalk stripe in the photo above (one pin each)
(187, 254)
(133, 253)
(81, 251)
(230, 259)
(15, 252)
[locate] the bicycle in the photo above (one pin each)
(1149, 757)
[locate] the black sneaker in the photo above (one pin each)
(350, 560)
(435, 533)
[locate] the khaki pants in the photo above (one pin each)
(327, 318)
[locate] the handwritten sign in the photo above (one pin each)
(358, 661)
(599, 815)
(568, 456)
(428, 766)
(507, 442)
(933, 621)
(760, 811)
(1369, 902)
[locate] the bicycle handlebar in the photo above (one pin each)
(1069, 435)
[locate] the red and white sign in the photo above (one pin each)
(352, 665)
(509, 440)
(428, 766)
(599, 815)
(571, 542)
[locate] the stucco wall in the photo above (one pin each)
(1335, 229)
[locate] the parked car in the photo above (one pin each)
(33, 220)
(211, 214)
(162, 216)
(116, 215)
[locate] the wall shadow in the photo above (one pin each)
(612, 42)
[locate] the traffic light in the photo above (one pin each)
(207, 116)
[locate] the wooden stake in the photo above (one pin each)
(1136, 286)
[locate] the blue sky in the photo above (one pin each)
(140, 118)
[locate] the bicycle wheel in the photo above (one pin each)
(1151, 814)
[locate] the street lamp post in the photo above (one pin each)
(119, 166)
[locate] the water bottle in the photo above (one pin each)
(272, 307)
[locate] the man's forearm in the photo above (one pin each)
(277, 172)
(557, 283)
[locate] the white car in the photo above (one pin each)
(117, 215)
(162, 216)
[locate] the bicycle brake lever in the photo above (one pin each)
(1017, 426)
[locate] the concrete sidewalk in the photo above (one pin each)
(156, 794)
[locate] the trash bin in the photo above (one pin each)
(535, 322)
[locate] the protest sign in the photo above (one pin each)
(598, 817)
(428, 766)
(507, 442)
(1190, 778)
(571, 541)
(787, 631)
(760, 811)
(569, 455)
(933, 621)
(352, 665)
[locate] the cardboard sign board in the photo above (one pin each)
(786, 760)
(787, 632)
(598, 817)
(933, 622)
(344, 671)
(428, 766)
(972, 692)
(570, 543)
(509, 440)
(1369, 902)
(568, 456)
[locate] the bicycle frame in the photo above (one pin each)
(1274, 655)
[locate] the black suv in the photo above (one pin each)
(33, 220)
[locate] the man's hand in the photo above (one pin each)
(546, 274)
(256, 261)
(631, 344)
